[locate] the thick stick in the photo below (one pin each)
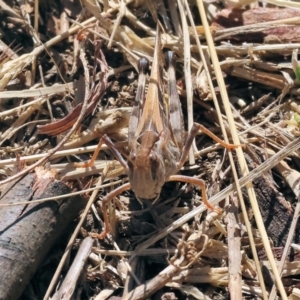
(27, 233)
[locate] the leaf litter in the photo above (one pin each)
(71, 77)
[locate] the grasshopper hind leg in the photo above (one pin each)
(197, 182)
(194, 130)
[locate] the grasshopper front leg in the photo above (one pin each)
(105, 201)
(133, 124)
(106, 140)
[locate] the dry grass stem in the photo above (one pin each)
(71, 76)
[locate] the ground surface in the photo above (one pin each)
(45, 74)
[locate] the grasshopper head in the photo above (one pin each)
(146, 167)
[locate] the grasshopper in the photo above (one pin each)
(157, 141)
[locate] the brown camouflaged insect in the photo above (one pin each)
(157, 140)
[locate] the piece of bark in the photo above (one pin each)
(230, 18)
(276, 211)
(28, 232)
(277, 253)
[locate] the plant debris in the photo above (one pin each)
(68, 75)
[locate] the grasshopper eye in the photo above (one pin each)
(118, 119)
(170, 58)
(143, 65)
(154, 165)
